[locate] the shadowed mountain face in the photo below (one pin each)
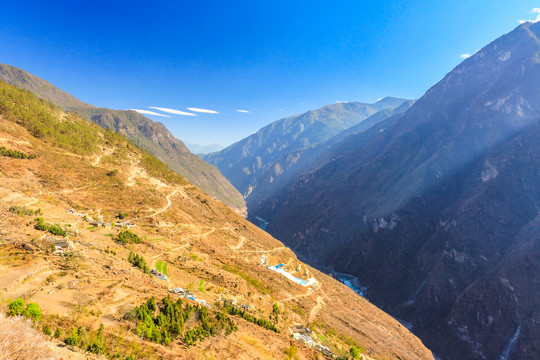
(152, 136)
(285, 148)
(280, 175)
(436, 211)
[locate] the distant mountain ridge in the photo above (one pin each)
(150, 135)
(281, 175)
(436, 210)
(203, 149)
(246, 164)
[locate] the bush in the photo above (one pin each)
(355, 352)
(73, 340)
(16, 307)
(33, 312)
(15, 154)
(22, 211)
(53, 229)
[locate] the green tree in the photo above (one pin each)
(33, 312)
(355, 352)
(16, 307)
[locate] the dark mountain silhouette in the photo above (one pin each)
(436, 210)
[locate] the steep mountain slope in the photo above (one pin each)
(436, 213)
(275, 178)
(84, 264)
(244, 161)
(152, 136)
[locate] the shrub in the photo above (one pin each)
(355, 352)
(22, 211)
(33, 312)
(15, 154)
(53, 229)
(16, 307)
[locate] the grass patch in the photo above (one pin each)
(323, 338)
(201, 289)
(109, 235)
(161, 266)
(91, 227)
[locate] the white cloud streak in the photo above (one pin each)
(147, 112)
(206, 111)
(464, 56)
(242, 111)
(533, 11)
(172, 111)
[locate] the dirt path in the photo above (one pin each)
(15, 141)
(316, 308)
(308, 293)
(240, 243)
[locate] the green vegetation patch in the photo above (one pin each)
(53, 229)
(138, 261)
(233, 310)
(22, 211)
(166, 321)
(159, 170)
(126, 237)
(31, 311)
(201, 283)
(15, 154)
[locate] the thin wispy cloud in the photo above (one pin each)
(465, 56)
(533, 11)
(242, 111)
(148, 112)
(172, 111)
(206, 111)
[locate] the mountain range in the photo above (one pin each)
(150, 135)
(264, 163)
(436, 210)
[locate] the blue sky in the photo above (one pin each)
(269, 58)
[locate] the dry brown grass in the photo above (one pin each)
(20, 340)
